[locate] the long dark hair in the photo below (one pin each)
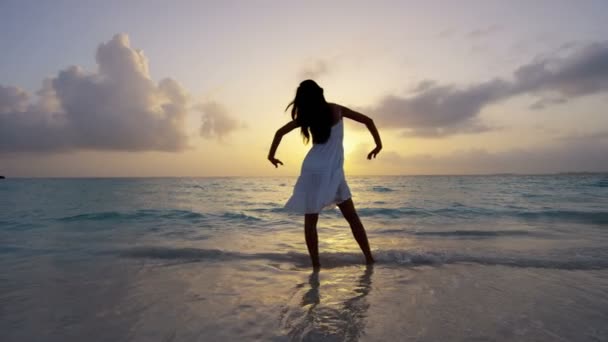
(312, 113)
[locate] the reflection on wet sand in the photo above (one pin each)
(326, 314)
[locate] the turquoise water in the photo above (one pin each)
(187, 259)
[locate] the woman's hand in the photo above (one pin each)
(374, 152)
(369, 123)
(275, 161)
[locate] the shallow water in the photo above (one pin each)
(460, 258)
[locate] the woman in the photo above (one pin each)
(321, 182)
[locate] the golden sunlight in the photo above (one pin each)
(349, 144)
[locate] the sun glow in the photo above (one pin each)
(352, 148)
(349, 145)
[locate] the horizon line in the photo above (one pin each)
(562, 173)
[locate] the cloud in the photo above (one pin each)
(116, 107)
(435, 110)
(313, 69)
(599, 137)
(12, 99)
(544, 102)
(580, 153)
(583, 72)
(216, 123)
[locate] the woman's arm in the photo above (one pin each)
(369, 123)
(288, 127)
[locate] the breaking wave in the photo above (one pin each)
(598, 261)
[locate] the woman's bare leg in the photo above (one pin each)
(350, 214)
(312, 241)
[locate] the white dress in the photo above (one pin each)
(321, 182)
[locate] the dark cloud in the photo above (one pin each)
(580, 153)
(436, 110)
(583, 72)
(216, 122)
(117, 107)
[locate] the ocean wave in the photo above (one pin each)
(473, 233)
(597, 217)
(9, 249)
(248, 215)
(381, 189)
(173, 253)
(573, 262)
(602, 183)
(239, 217)
(390, 212)
(457, 211)
(532, 195)
(268, 210)
(134, 215)
(148, 214)
(388, 257)
(594, 217)
(20, 226)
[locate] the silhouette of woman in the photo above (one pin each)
(321, 182)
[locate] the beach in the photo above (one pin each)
(459, 258)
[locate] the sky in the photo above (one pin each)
(198, 88)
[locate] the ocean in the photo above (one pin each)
(459, 258)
